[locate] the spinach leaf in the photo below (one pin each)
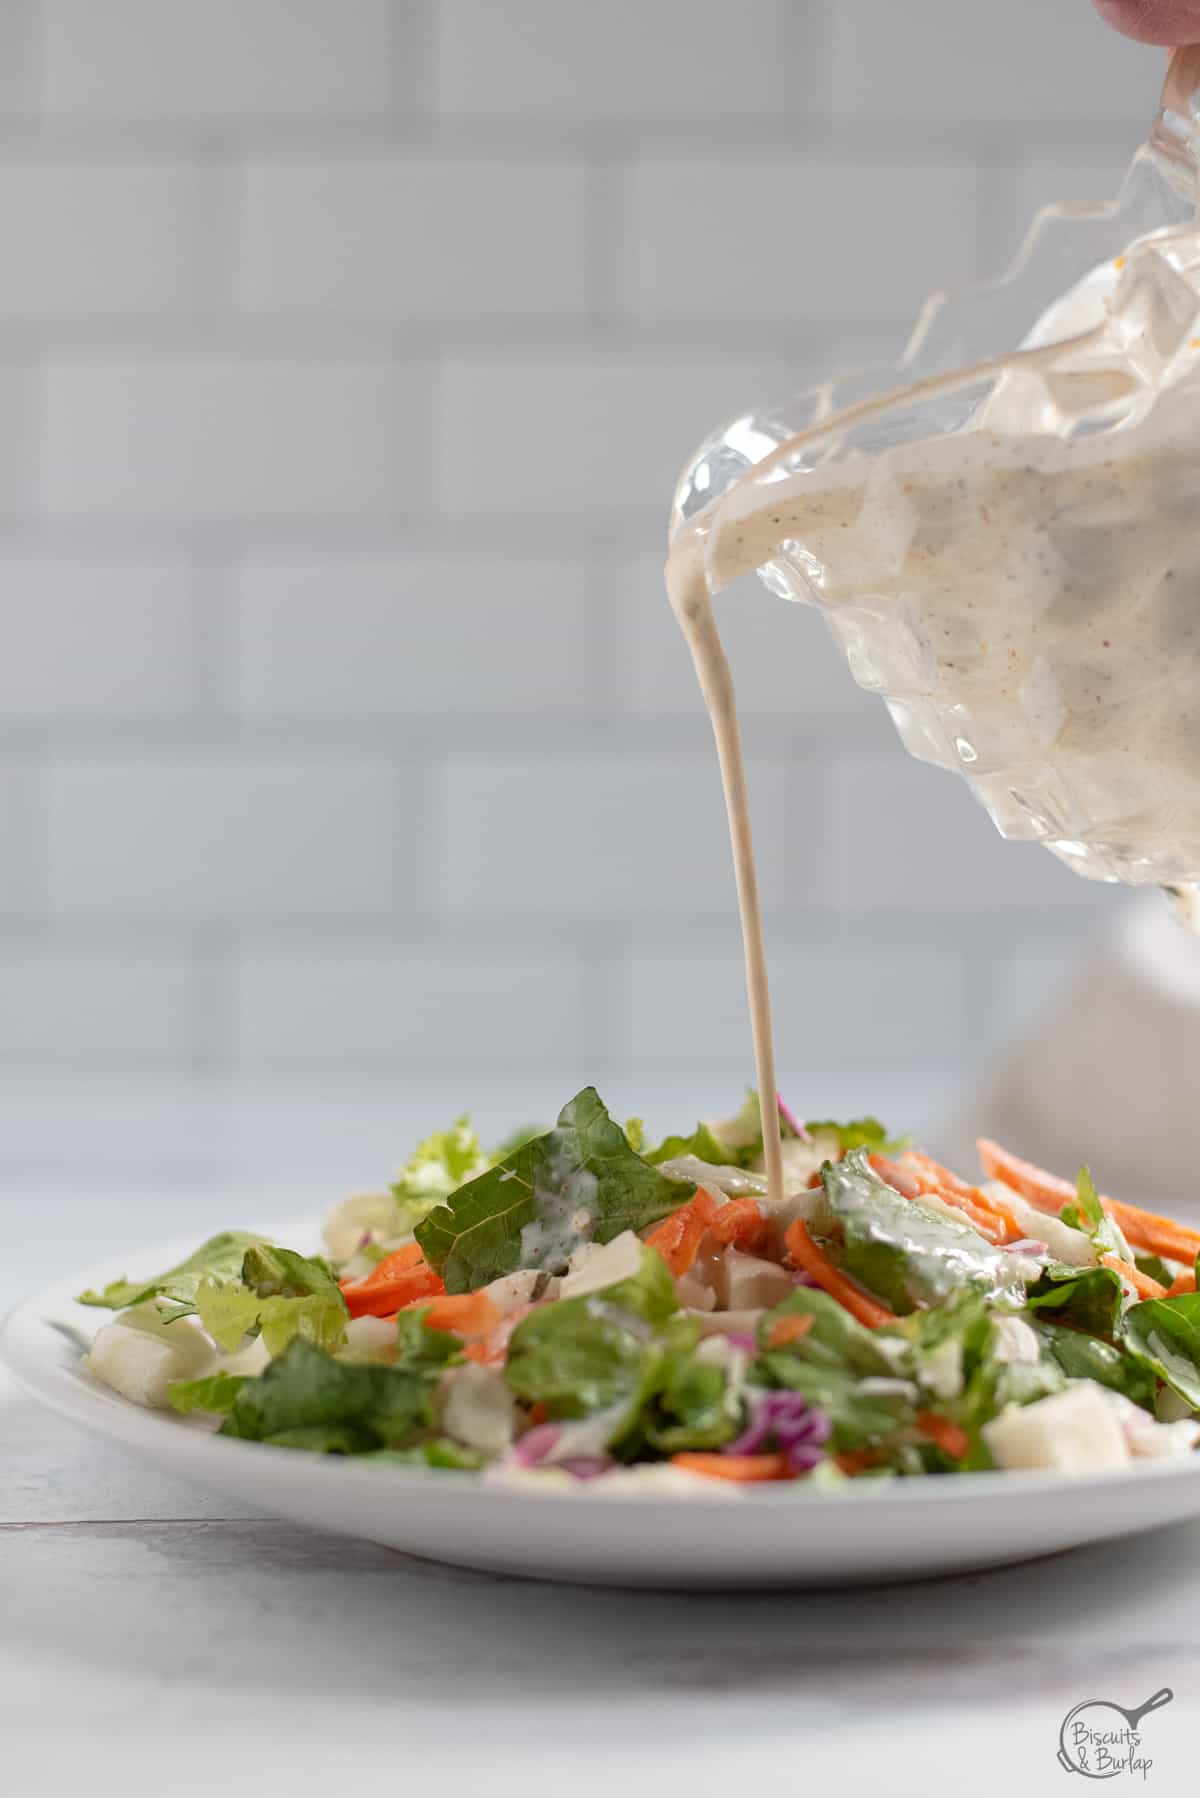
(906, 1252)
(1088, 1297)
(1088, 1214)
(1164, 1335)
(1083, 1357)
(220, 1258)
(580, 1182)
(307, 1399)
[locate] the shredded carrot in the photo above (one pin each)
(853, 1461)
(952, 1186)
(917, 1183)
(467, 1313)
(742, 1468)
(679, 1236)
(492, 1350)
(1184, 1282)
(538, 1413)
(741, 1225)
(1144, 1229)
(398, 1280)
(944, 1434)
(790, 1329)
(1143, 1285)
(814, 1262)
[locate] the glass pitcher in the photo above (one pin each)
(1002, 528)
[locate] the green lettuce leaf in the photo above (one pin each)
(439, 1451)
(1084, 1357)
(907, 1253)
(835, 1340)
(1088, 1297)
(693, 1407)
(419, 1347)
(701, 1143)
(604, 1349)
(1164, 1336)
(581, 1181)
(860, 1133)
(232, 1311)
(220, 1258)
(859, 1419)
(436, 1168)
(281, 1273)
(215, 1392)
(358, 1405)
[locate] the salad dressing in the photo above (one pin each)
(1042, 565)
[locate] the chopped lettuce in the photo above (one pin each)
(306, 1399)
(579, 1183)
(281, 1273)
(1164, 1336)
(215, 1392)
(220, 1258)
(836, 1339)
(905, 1251)
(418, 1346)
(232, 1311)
(701, 1143)
(438, 1451)
(859, 1133)
(436, 1168)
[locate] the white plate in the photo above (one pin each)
(773, 1536)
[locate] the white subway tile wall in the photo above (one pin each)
(349, 351)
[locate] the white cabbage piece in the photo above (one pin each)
(140, 1356)
(1074, 1431)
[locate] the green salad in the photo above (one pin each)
(583, 1306)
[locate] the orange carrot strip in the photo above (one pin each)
(916, 1184)
(741, 1225)
(944, 1434)
(467, 1313)
(1184, 1282)
(947, 1182)
(1144, 1229)
(789, 1329)
(806, 1255)
(492, 1350)
(853, 1461)
(398, 1280)
(1143, 1285)
(742, 1468)
(679, 1236)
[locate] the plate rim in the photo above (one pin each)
(29, 1338)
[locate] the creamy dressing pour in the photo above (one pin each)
(1045, 560)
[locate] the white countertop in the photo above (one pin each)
(152, 1637)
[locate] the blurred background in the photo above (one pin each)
(348, 354)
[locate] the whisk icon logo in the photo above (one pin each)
(1100, 1739)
